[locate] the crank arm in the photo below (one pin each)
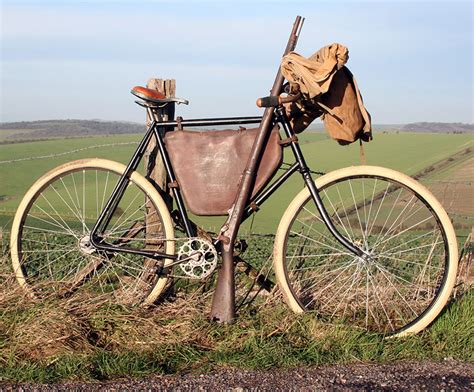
(252, 273)
(176, 262)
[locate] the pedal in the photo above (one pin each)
(240, 247)
(253, 274)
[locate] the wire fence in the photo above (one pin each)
(61, 154)
(456, 196)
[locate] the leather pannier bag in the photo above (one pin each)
(209, 165)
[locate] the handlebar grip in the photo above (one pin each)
(271, 101)
(274, 101)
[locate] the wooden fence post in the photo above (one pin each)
(155, 170)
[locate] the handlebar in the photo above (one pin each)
(273, 101)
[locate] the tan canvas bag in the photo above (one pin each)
(345, 117)
(329, 90)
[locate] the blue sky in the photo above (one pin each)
(78, 59)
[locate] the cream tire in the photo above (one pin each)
(335, 177)
(86, 164)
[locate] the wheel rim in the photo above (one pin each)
(53, 246)
(409, 255)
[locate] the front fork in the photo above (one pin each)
(308, 179)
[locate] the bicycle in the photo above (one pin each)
(362, 245)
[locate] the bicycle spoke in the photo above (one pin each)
(80, 208)
(76, 207)
(396, 290)
(400, 277)
(339, 266)
(84, 229)
(326, 237)
(65, 226)
(410, 249)
(393, 227)
(40, 229)
(378, 210)
(329, 284)
(345, 214)
(387, 251)
(105, 192)
(96, 195)
(403, 231)
(318, 255)
(356, 208)
(318, 242)
(57, 225)
(337, 216)
(389, 215)
(56, 255)
(126, 209)
(370, 278)
(69, 207)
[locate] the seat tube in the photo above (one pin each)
(308, 179)
(175, 189)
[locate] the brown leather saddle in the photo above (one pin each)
(154, 96)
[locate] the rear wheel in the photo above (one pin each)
(410, 239)
(50, 241)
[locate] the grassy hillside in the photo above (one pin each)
(83, 338)
(34, 130)
(408, 153)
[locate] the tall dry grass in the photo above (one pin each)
(81, 337)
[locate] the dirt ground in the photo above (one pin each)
(420, 376)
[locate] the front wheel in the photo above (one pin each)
(50, 240)
(412, 267)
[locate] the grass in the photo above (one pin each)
(134, 343)
(452, 185)
(397, 151)
(72, 339)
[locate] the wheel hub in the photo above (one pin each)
(85, 245)
(365, 258)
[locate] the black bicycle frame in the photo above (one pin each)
(156, 129)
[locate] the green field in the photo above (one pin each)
(83, 338)
(406, 152)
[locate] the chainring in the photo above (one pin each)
(202, 258)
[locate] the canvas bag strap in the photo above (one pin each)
(362, 152)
